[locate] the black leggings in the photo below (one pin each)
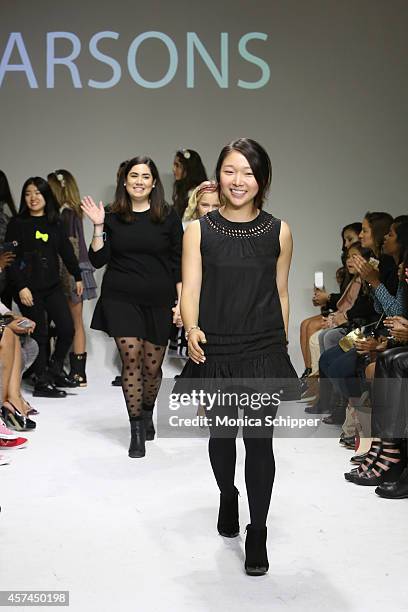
(49, 305)
(259, 471)
(141, 373)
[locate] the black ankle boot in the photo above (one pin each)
(228, 520)
(78, 363)
(148, 423)
(58, 376)
(45, 387)
(395, 490)
(138, 437)
(256, 557)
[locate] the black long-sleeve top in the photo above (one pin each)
(388, 270)
(142, 257)
(363, 308)
(38, 245)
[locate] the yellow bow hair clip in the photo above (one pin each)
(40, 236)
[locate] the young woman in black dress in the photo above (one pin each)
(235, 309)
(140, 242)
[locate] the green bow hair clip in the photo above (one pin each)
(40, 236)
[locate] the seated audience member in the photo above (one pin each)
(326, 301)
(335, 364)
(15, 356)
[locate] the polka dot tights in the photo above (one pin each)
(141, 372)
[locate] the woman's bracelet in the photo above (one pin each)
(103, 235)
(187, 332)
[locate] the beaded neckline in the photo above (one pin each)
(262, 224)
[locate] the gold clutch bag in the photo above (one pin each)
(347, 342)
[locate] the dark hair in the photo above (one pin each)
(400, 219)
(366, 253)
(51, 204)
(258, 160)
(380, 223)
(402, 239)
(353, 227)
(120, 169)
(123, 203)
(194, 175)
(5, 193)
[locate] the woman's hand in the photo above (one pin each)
(94, 212)
(398, 326)
(366, 345)
(365, 271)
(177, 320)
(327, 322)
(26, 297)
(401, 334)
(195, 352)
(320, 298)
(21, 330)
(338, 318)
(79, 288)
(389, 322)
(6, 259)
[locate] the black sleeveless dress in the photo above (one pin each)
(240, 311)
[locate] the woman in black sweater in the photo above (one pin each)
(140, 242)
(35, 277)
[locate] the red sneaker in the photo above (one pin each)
(18, 443)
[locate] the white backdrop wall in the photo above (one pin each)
(332, 113)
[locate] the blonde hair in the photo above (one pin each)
(65, 189)
(191, 212)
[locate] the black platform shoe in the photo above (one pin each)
(148, 423)
(138, 437)
(395, 490)
(387, 470)
(14, 419)
(256, 556)
(228, 519)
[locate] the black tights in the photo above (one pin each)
(141, 373)
(259, 472)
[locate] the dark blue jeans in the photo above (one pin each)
(341, 369)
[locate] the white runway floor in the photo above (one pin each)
(140, 535)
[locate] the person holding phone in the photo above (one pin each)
(35, 277)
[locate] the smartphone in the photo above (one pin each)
(318, 280)
(374, 263)
(25, 324)
(9, 247)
